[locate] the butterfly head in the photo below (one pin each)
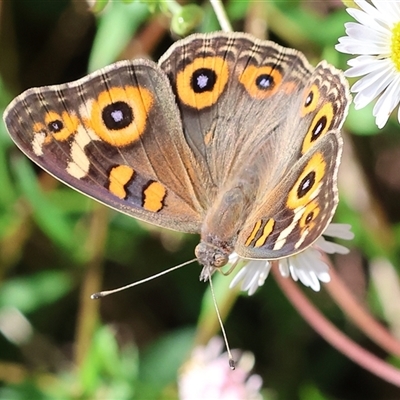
(211, 256)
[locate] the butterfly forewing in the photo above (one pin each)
(115, 136)
(233, 92)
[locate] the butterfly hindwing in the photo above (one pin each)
(298, 209)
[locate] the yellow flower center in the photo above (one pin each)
(395, 46)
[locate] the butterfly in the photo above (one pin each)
(227, 136)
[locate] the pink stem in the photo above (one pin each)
(333, 335)
(360, 316)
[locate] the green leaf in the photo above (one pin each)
(362, 122)
(117, 25)
(187, 19)
(311, 392)
(50, 218)
(8, 193)
(99, 6)
(171, 350)
(107, 365)
(32, 292)
(237, 9)
(210, 22)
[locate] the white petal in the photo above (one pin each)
(381, 120)
(252, 275)
(370, 86)
(398, 115)
(372, 79)
(238, 278)
(284, 267)
(386, 103)
(389, 99)
(301, 268)
(250, 280)
(341, 231)
(324, 277)
(233, 258)
(349, 45)
(390, 11)
(293, 273)
(365, 33)
(309, 268)
(367, 20)
(364, 68)
(371, 10)
(361, 60)
(330, 247)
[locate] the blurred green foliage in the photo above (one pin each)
(57, 246)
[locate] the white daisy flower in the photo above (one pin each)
(307, 266)
(376, 38)
(207, 375)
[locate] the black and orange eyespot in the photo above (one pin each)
(309, 215)
(310, 100)
(319, 126)
(200, 84)
(203, 80)
(55, 126)
(59, 126)
(304, 189)
(119, 115)
(261, 82)
(306, 184)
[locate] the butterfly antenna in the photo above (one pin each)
(105, 293)
(232, 364)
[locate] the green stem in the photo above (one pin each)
(221, 15)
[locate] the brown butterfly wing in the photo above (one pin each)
(233, 92)
(116, 136)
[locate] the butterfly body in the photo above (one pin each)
(228, 136)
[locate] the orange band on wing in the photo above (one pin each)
(268, 228)
(153, 197)
(119, 177)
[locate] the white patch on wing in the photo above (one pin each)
(80, 164)
(316, 191)
(286, 232)
(37, 143)
(86, 109)
(302, 238)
